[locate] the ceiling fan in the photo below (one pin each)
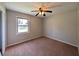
(43, 10)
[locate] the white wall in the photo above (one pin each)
(2, 8)
(13, 37)
(62, 27)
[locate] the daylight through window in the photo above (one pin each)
(22, 25)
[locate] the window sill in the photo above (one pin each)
(22, 33)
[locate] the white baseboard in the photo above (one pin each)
(60, 40)
(23, 41)
(17, 43)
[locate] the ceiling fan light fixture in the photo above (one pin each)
(41, 13)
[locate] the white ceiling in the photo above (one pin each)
(27, 7)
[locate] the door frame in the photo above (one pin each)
(2, 9)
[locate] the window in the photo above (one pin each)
(22, 25)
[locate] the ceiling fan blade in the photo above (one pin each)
(48, 11)
(35, 11)
(44, 14)
(36, 14)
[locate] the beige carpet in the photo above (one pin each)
(42, 47)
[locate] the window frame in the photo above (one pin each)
(17, 25)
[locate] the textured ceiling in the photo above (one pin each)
(27, 7)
